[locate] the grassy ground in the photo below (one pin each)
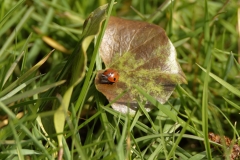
(33, 86)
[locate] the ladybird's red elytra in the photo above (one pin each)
(109, 76)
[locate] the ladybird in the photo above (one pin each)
(109, 76)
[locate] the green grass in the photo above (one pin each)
(53, 106)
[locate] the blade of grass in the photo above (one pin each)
(190, 96)
(44, 29)
(228, 120)
(19, 88)
(11, 21)
(141, 105)
(105, 122)
(138, 13)
(91, 29)
(207, 62)
(198, 156)
(24, 129)
(229, 66)
(157, 150)
(25, 76)
(81, 98)
(228, 86)
(25, 48)
(31, 92)
(176, 143)
(121, 145)
(166, 111)
(206, 30)
(3, 52)
(232, 103)
(11, 11)
(135, 119)
(11, 69)
(160, 9)
(24, 152)
(16, 137)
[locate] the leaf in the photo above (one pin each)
(143, 55)
(91, 29)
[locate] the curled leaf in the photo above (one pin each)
(143, 55)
